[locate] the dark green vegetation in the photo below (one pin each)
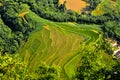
(92, 4)
(95, 67)
(15, 26)
(13, 67)
(70, 50)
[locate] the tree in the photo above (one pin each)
(45, 72)
(94, 62)
(12, 67)
(62, 7)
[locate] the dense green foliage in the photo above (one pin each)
(14, 28)
(18, 18)
(54, 11)
(112, 26)
(95, 64)
(9, 42)
(13, 67)
(92, 4)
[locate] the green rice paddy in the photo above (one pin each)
(57, 44)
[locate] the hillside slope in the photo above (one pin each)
(57, 44)
(44, 32)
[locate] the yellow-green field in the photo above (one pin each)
(105, 6)
(54, 46)
(57, 44)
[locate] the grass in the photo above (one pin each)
(57, 44)
(106, 6)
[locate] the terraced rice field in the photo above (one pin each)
(57, 44)
(76, 5)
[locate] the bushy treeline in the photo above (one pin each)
(111, 28)
(50, 9)
(13, 28)
(53, 10)
(10, 15)
(92, 4)
(95, 64)
(14, 68)
(9, 41)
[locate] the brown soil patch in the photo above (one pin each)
(76, 5)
